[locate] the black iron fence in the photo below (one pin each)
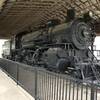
(46, 85)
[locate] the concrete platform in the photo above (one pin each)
(9, 90)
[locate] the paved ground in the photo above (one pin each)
(10, 91)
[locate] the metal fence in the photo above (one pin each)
(46, 85)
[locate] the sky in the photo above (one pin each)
(97, 43)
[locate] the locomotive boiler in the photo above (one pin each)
(61, 48)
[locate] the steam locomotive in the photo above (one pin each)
(61, 48)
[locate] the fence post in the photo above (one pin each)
(35, 83)
(17, 74)
(92, 92)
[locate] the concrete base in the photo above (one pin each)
(10, 91)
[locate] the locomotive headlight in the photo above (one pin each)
(88, 16)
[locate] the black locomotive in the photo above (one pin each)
(60, 48)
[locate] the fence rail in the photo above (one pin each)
(46, 85)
